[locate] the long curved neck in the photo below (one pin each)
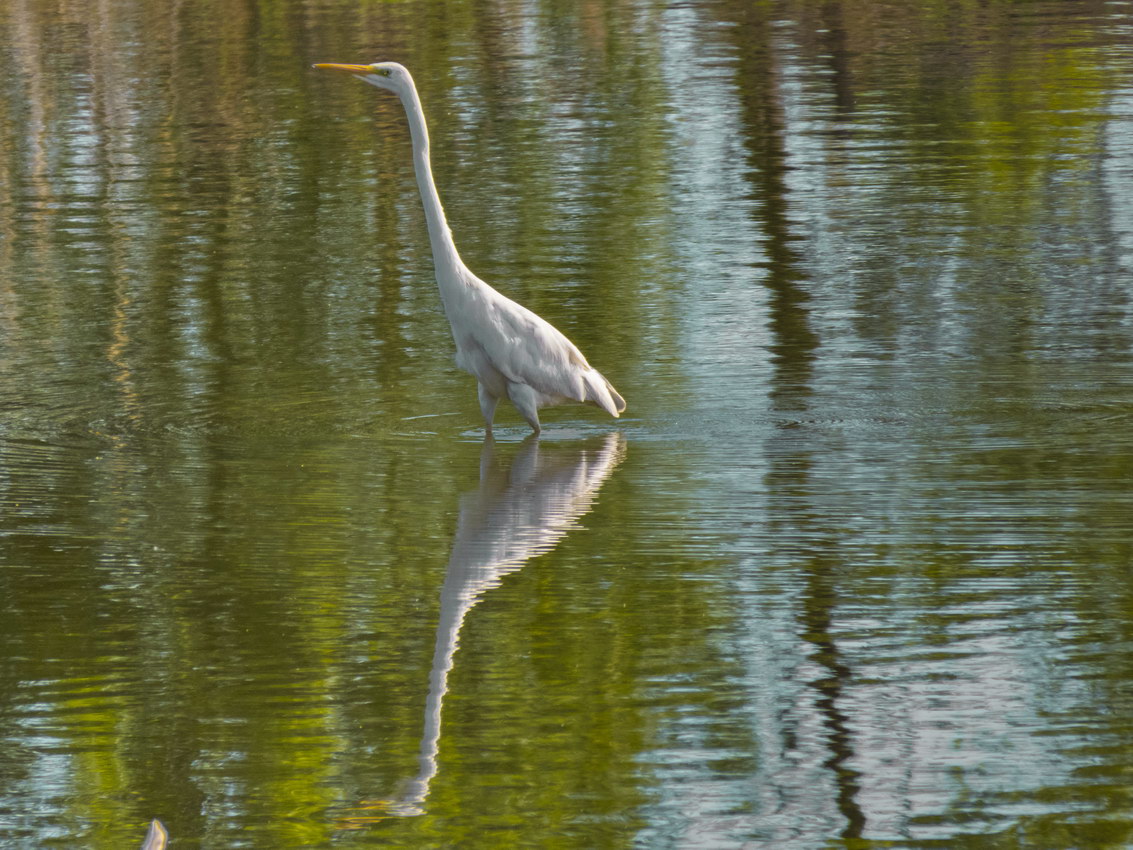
(440, 237)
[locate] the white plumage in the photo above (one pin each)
(511, 351)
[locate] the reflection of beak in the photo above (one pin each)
(347, 69)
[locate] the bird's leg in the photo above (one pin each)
(526, 402)
(488, 404)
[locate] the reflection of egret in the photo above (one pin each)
(511, 351)
(516, 514)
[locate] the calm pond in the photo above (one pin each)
(855, 569)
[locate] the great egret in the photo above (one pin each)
(508, 349)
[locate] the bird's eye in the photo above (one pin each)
(384, 72)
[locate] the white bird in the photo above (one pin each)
(508, 349)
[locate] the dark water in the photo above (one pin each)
(855, 570)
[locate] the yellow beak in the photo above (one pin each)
(347, 69)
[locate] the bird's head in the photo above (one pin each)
(384, 75)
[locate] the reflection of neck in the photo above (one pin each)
(440, 237)
(448, 634)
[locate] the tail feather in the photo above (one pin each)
(601, 392)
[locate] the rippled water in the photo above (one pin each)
(853, 570)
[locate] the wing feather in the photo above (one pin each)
(501, 340)
(530, 350)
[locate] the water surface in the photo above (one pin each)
(853, 570)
